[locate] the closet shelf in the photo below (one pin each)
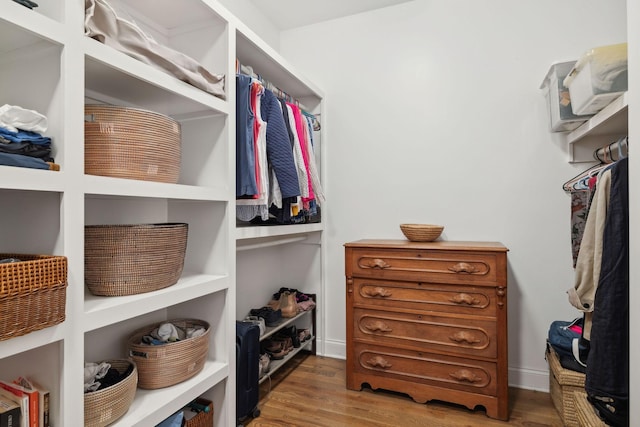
(33, 340)
(107, 186)
(128, 81)
(19, 26)
(268, 63)
(150, 407)
(270, 330)
(253, 232)
(31, 179)
(277, 364)
(103, 311)
(606, 126)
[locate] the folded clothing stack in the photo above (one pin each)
(21, 141)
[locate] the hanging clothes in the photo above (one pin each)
(245, 156)
(607, 371)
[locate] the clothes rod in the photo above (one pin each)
(270, 243)
(613, 151)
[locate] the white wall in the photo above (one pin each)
(434, 115)
(252, 17)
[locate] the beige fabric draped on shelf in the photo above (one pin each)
(103, 24)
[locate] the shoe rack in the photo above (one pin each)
(303, 320)
(48, 65)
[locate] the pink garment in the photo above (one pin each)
(302, 135)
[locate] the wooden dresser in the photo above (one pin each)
(429, 320)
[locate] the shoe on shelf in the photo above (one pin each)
(306, 305)
(271, 317)
(265, 362)
(287, 342)
(304, 335)
(256, 320)
(288, 305)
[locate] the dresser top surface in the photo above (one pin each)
(437, 245)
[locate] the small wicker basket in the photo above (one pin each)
(421, 232)
(130, 143)
(32, 293)
(202, 419)
(133, 259)
(103, 407)
(168, 364)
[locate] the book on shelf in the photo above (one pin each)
(44, 419)
(23, 404)
(33, 400)
(9, 413)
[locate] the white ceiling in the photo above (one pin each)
(286, 14)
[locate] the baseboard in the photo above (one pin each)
(529, 379)
(333, 349)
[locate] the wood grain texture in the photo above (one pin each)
(311, 392)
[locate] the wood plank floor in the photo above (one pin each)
(310, 391)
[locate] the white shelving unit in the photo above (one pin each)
(275, 256)
(606, 126)
(47, 64)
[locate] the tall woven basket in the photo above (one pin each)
(32, 293)
(103, 407)
(130, 143)
(133, 259)
(168, 364)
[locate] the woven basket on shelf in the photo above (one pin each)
(562, 384)
(202, 419)
(168, 364)
(133, 259)
(32, 293)
(130, 143)
(421, 232)
(103, 407)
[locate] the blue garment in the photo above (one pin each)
(22, 161)
(279, 153)
(246, 184)
(607, 373)
(24, 136)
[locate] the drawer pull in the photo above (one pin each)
(463, 267)
(377, 262)
(466, 375)
(378, 326)
(377, 292)
(379, 362)
(465, 299)
(462, 336)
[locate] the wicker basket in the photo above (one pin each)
(103, 407)
(586, 413)
(133, 259)
(202, 419)
(421, 232)
(563, 383)
(168, 364)
(32, 293)
(123, 142)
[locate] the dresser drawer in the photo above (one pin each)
(424, 265)
(456, 299)
(440, 334)
(425, 368)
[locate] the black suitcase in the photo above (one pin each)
(247, 362)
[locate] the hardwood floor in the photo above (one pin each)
(310, 391)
